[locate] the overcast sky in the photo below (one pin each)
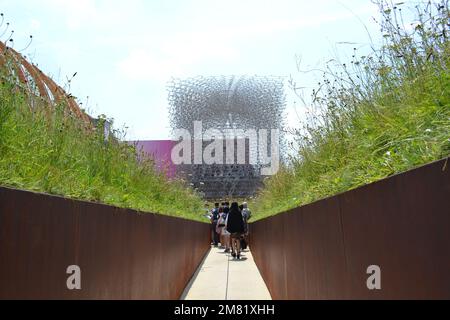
(124, 52)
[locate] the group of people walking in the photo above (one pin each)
(229, 227)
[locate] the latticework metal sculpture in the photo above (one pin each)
(227, 103)
(33, 82)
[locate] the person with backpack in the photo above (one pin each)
(246, 215)
(219, 225)
(224, 234)
(235, 226)
(214, 220)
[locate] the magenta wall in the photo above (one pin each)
(160, 150)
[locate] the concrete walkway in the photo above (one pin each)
(219, 277)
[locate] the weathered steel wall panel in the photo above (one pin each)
(122, 254)
(322, 250)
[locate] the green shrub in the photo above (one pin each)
(378, 115)
(44, 148)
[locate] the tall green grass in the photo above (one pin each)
(44, 148)
(375, 116)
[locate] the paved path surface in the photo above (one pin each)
(219, 277)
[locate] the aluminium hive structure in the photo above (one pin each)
(227, 103)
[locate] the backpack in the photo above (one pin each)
(246, 214)
(215, 214)
(221, 222)
(243, 244)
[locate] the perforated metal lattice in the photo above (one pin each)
(227, 103)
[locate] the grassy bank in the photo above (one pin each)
(375, 116)
(45, 149)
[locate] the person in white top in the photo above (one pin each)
(221, 229)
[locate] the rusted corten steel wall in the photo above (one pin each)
(322, 250)
(122, 254)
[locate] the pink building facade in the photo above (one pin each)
(160, 151)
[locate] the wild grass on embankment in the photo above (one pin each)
(44, 149)
(375, 116)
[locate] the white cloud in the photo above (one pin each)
(142, 65)
(213, 39)
(35, 24)
(76, 12)
(174, 55)
(94, 14)
(146, 42)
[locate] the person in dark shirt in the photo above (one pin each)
(235, 226)
(214, 219)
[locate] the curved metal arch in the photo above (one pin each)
(43, 83)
